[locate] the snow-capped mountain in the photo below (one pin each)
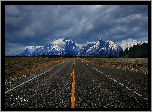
(132, 43)
(99, 48)
(68, 46)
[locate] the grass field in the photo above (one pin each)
(19, 66)
(133, 64)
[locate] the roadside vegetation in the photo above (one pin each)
(19, 66)
(133, 64)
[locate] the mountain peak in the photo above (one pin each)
(64, 46)
(101, 49)
(100, 40)
(66, 39)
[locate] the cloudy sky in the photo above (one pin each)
(29, 25)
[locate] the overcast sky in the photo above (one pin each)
(29, 25)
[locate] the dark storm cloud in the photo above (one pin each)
(27, 25)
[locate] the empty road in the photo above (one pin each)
(76, 84)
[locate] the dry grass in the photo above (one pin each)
(18, 66)
(133, 64)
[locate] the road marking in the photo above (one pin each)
(27, 81)
(145, 98)
(73, 86)
(120, 83)
(137, 93)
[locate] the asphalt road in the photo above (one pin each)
(95, 87)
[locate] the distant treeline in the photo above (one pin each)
(49, 56)
(137, 51)
(65, 56)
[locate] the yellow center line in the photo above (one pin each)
(73, 87)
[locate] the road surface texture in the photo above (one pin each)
(49, 90)
(99, 87)
(76, 84)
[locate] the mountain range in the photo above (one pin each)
(99, 48)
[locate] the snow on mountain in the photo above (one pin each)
(70, 47)
(101, 49)
(32, 48)
(25, 52)
(134, 42)
(37, 51)
(64, 47)
(58, 41)
(129, 43)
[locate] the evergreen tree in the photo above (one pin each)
(43, 56)
(125, 52)
(138, 51)
(131, 53)
(121, 53)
